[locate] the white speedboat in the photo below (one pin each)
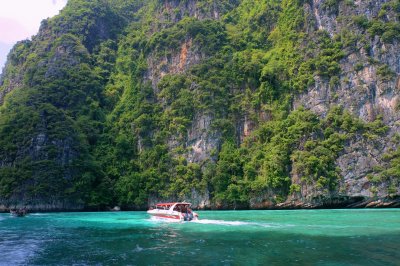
(178, 211)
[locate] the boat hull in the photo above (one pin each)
(165, 214)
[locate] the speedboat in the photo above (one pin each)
(178, 211)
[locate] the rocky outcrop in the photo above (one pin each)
(361, 89)
(67, 77)
(175, 10)
(13, 73)
(340, 201)
(201, 140)
(179, 61)
(41, 205)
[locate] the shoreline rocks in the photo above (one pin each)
(333, 203)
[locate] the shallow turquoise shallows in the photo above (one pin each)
(301, 237)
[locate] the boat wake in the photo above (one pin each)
(221, 222)
(202, 221)
(232, 223)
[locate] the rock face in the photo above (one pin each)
(360, 89)
(201, 139)
(128, 103)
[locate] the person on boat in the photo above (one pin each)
(190, 214)
(187, 214)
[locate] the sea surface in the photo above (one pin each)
(300, 237)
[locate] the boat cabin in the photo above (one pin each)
(174, 206)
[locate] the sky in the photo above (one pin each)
(20, 19)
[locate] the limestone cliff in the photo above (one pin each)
(228, 104)
(362, 88)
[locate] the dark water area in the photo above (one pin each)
(301, 237)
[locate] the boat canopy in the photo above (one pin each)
(171, 204)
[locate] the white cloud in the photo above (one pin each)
(28, 13)
(12, 30)
(20, 19)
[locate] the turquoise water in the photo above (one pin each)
(301, 237)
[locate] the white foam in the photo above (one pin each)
(222, 222)
(163, 220)
(138, 248)
(240, 223)
(218, 222)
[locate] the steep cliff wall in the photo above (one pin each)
(228, 104)
(367, 86)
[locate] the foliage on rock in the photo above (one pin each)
(120, 102)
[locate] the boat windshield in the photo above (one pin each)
(163, 206)
(182, 207)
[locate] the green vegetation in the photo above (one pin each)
(112, 96)
(388, 30)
